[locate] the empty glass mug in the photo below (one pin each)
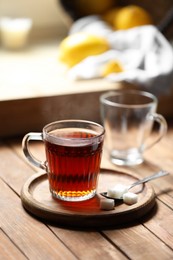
(128, 117)
(73, 156)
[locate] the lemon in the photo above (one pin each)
(131, 16)
(112, 66)
(76, 47)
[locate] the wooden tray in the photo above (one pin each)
(37, 200)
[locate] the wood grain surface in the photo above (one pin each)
(26, 237)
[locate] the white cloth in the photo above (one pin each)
(145, 55)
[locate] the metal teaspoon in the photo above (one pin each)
(144, 180)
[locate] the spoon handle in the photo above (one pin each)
(149, 178)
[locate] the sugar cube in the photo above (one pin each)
(130, 198)
(107, 204)
(117, 191)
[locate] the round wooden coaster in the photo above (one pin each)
(37, 199)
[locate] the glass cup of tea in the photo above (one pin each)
(128, 117)
(73, 155)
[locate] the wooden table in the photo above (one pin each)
(24, 237)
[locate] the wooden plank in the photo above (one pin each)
(89, 244)
(139, 243)
(32, 237)
(161, 224)
(8, 250)
(10, 161)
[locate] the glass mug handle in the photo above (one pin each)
(162, 128)
(25, 145)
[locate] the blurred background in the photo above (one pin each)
(50, 19)
(34, 87)
(47, 16)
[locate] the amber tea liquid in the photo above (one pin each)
(73, 163)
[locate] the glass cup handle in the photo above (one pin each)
(25, 146)
(162, 128)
